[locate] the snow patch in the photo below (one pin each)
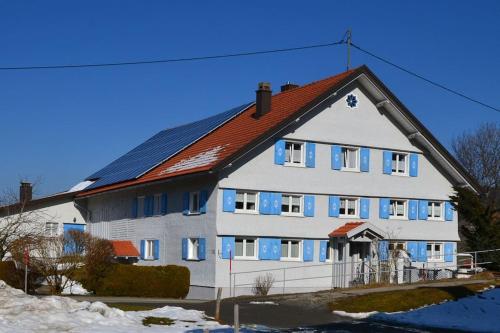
(198, 160)
(81, 186)
(264, 302)
(25, 314)
(355, 315)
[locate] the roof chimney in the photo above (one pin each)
(25, 192)
(263, 99)
(289, 86)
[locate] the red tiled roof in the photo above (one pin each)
(233, 136)
(124, 248)
(343, 230)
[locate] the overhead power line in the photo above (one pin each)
(164, 61)
(436, 84)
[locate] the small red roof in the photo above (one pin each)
(343, 230)
(124, 248)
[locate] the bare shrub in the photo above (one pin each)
(262, 284)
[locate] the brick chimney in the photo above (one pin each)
(263, 99)
(25, 192)
(289, 86)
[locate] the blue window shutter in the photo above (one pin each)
(422, 209)
(227, 247)
(202, 248)
(310, 154)
(264, 249)
(148, 206)
(364, 159)
(333, 206)
(156, 249)
(384, 208)
(387, 166)
(164, 203)
(185, 203)
(265, 203)
(383, 250)
(412, 209)
(413, 165)
(203, 201)
(184, 248)
(276, 203)
(134, 208)
(422, 251)
(229, 198)
(448, 252)
(322, 250)
(275, 249)
(142, 248)
(365, 208)
(279, 152)
(336, 157)
(308, 254)
(412, 248)
(448, 211)
(309, 205)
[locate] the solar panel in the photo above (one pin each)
(159, 148)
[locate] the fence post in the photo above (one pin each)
(236, 319)
(475, 262)
(217, 304)
(284, 279)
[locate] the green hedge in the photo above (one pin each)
(145, 281)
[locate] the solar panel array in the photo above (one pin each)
(159, 148)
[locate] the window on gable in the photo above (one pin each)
(397, 209)
(51, 229)
(246, 202)
(194, 202)
(294, 153)
(157, 204)
(435, 252)
(245, 248)
(291, 204)
(435, 210)
(348, 207)
(149, 250)
(290, 249)
(193, 244)
(350, 158)
(140, 206)
(399, 163)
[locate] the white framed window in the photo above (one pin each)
(397, 209)
(193, 244)
(399, 163)
(149, 249)
(329, 251)
(350, 159)
(294, 153)
(435, 210)
(435, 252)
(348, 207)
(246, 202)
(157, 204)
(290, 249)
(397, 246)
(245, 248)
(51, 229)
(194, 202)
(140, 206)
(292, 204)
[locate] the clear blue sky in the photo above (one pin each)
(62, 125)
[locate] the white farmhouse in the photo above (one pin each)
(312, 185)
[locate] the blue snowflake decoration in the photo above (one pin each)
(352, 100)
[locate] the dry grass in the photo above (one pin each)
(131, 307)
(148, 321)
(404, 300)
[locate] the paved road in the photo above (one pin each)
(288, 311)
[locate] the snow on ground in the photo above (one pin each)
(71, 287)
(479, 313)
(23, 313)
(264, 302)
